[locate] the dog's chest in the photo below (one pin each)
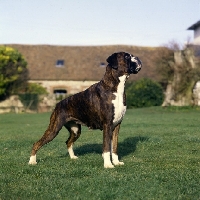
(119, 108)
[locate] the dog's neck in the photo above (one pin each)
(110, 80)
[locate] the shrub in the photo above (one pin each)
(34, 88)
(30, 101)
(30, 98)
(144, 93)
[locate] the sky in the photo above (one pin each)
(97, 22)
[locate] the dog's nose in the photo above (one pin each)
(139, 62)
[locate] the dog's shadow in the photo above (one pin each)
(125, 148)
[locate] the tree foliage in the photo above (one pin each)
(13, 71)
(164, 71)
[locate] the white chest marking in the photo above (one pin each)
(119, 108)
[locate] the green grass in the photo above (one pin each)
(160, 149)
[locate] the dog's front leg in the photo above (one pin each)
(107, 138)
(115, 159)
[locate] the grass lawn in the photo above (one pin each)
(160, 148)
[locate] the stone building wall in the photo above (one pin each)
(71, 87)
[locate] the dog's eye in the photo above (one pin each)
(127, 57)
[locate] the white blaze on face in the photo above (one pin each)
(119, 108)
(133, 59)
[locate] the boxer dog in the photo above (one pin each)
(101, 106)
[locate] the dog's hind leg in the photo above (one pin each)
(75, 132)
(52, 131)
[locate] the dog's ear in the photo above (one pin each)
(112, 60)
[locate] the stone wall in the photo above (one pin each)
(71, 87)
(12, 104)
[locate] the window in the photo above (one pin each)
(60, 94)
(60, 91)
(60, 63)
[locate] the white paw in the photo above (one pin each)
(32, 160)
(115, 160)
(71, 153)
(74, 157)
(108, 165)
(32, 163)
(107, 162)
(118, 163)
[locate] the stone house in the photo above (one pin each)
(71, 69)
(196, 28)
(196, 47)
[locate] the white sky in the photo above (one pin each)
(97, 22)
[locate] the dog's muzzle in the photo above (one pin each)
(135, 65)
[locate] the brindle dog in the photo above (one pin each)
(101, 106)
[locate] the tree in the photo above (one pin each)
(13, 72)
(180, 72)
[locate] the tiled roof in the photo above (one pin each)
(194, 26)
(80, 62)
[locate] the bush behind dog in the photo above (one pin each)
(144, 93)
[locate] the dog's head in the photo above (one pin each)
(125, 62)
